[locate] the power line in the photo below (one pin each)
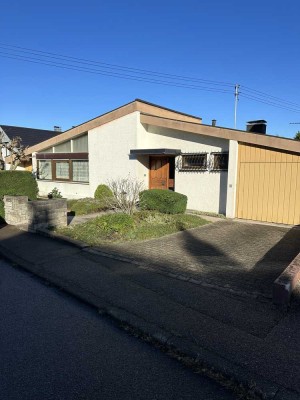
(269, 103)
(112, 74)
(114, 66)
(142, 75)
(262, 94)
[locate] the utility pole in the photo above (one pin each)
(236, 98)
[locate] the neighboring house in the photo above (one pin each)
(29, 137)
(239, 173)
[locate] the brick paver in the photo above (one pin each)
(227, 254)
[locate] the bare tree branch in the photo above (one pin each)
(17, 152)
(126, 194)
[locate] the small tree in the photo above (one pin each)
(297, 136)
(16, 151)
(125, 194)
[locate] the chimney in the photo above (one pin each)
(57, 128)
(258, 126)
(213, 122)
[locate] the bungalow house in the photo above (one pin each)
(242, 174)
(29, 137)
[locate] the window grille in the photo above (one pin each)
(193, 162)
(219, 162)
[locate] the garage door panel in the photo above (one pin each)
(268, 185)
(293, 193)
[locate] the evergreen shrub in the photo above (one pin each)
(164, 201)
(17, 183)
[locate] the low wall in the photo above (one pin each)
(36, 214)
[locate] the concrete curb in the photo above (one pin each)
(284, 285)
(204, 359)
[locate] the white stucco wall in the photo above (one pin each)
(232, 179)
(68, 190)
(206, 191)
(109, 151)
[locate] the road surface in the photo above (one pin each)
(53, 347)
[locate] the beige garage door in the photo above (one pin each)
(268, 187)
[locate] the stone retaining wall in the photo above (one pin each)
(36, 214)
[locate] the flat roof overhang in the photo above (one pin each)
(155, 152)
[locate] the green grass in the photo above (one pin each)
(85, 206)
(207, 213)
(140, 226)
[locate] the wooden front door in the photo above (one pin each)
(159, 173)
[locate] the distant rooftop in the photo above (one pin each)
(29, 136)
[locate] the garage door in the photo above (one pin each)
(268, 187)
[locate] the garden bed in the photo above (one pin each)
(119, 227)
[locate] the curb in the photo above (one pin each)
(284, 285)
(210, 364)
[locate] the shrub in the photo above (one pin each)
(2, 214)
(103, 192)
(118, 223)
(125, 193)
(18, 183)
(55, 194)
(86, 206)
(164, 201)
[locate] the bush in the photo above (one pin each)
(86, 206)
(125, 193)
(55, 194)
(18, 183)
(118, 223)
(164, 201)
(2, 214)
(103, 193)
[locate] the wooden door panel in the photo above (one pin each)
(159, 172)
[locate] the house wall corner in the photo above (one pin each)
(232, 179)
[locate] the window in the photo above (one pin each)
(80, 171)
(194, 162)
(64, 170)
(63, 147)
(45, 169)
(219, 161)
(80, 144)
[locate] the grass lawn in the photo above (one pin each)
(120, 227)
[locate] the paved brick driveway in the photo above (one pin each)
(227, 254)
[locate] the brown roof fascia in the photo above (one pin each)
(224, 133)
(154, 109)
(136, 105)
(86, 126)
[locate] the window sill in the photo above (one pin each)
(57, 181)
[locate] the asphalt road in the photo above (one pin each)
(53, 347)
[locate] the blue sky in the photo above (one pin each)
(251, 43)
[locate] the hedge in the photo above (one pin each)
(17, 183)
(164, 201)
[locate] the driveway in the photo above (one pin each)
(227, 254)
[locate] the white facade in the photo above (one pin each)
(206, 190)
(109, 148)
